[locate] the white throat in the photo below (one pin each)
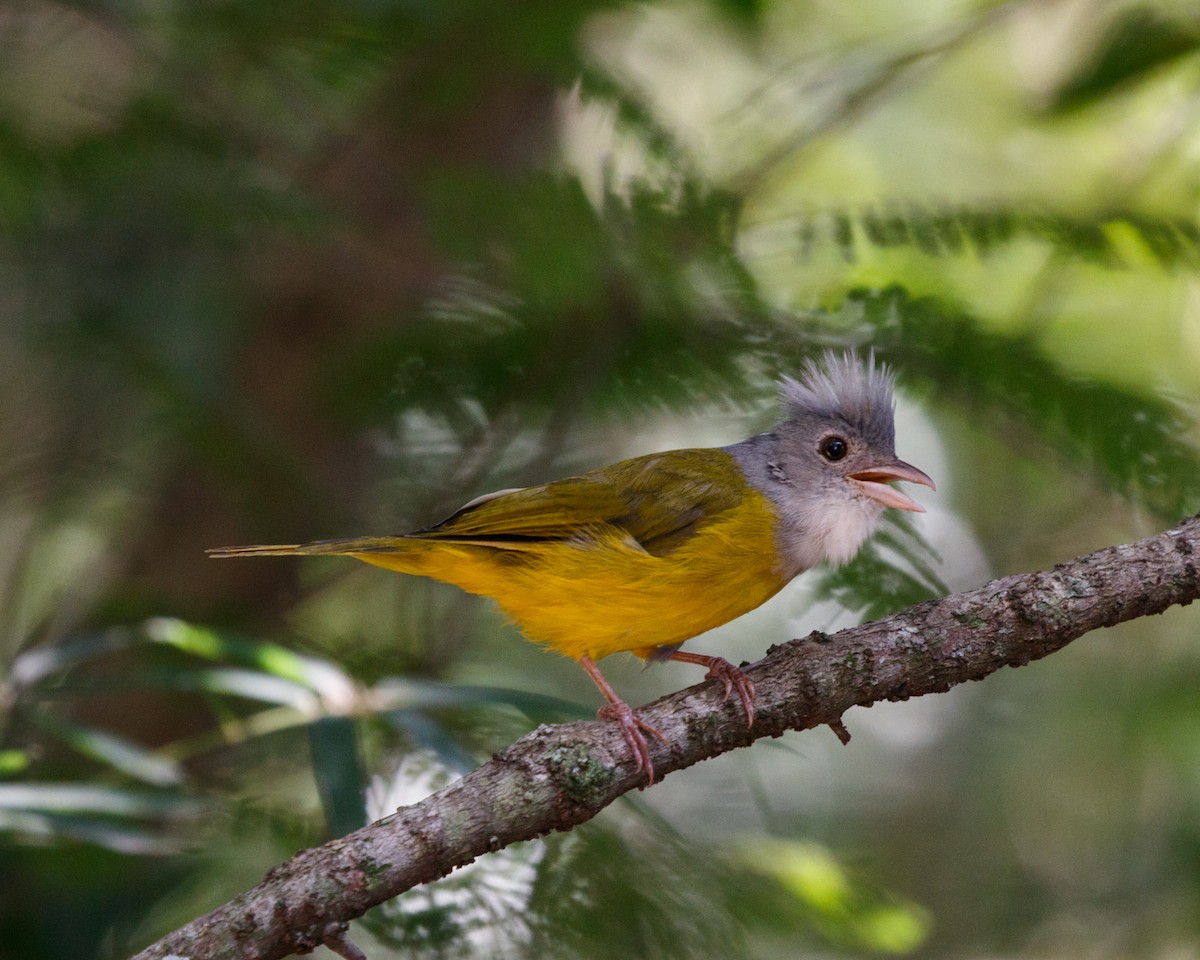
(824, 531)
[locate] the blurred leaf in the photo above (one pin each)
(85, 798)
(406, 693)
(115, 752)
(52, 827)
(128, 821)
(234, 731)
(1107, 239)
(13, 762)
(291, 685)
(36, 664)
(744, 11)
(340, 777)
(845, 911)
(1133, 441)
(321, 676)
(658, 306)
(632, 114)
(279, 675)
(1139, 40)
(225, 681)
(642, 894)
(428, 735)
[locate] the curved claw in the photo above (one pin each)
(721, 669)
(730, 676)
(632, 728)
(618, 710)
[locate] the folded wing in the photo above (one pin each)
(656, 501)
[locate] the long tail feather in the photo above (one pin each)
(319, 548)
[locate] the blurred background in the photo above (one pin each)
(273, 272)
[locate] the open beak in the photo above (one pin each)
(874, 484)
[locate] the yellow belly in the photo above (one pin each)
(596, 597)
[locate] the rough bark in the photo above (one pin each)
(560, 776)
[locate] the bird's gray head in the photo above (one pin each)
(827, 465)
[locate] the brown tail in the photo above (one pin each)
(319, 548)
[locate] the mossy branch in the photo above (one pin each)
(558, 777)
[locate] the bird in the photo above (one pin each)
(647, 553)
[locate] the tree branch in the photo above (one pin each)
(560, 776)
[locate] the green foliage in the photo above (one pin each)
(621, 278)
(1133, 441)
(844, 911)
(1110, 238)
(1137, 41)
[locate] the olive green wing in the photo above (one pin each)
(657, 501)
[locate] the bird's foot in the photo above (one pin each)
(730, 676)
(632, 728)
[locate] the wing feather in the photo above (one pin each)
(658, 501)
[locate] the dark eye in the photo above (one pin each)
(833, 449)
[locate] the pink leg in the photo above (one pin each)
(721, 669)
(618, 710)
